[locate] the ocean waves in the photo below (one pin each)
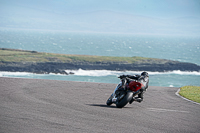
(184, 49)
(166, 79)
(98, 73)
(81, 72)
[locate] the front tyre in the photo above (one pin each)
(109, 101)
(124, 100)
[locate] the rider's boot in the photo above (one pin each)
(137, 99)
(133, 99)
(140, 97)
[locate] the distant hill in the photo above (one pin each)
(36, 62)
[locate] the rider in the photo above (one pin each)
(144, 79)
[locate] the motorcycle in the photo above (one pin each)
(124, 92)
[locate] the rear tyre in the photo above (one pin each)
(124, 100)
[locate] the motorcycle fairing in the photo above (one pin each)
(135, 86)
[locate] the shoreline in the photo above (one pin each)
(52, 67)
(15, 60)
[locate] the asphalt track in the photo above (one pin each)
(48, 106)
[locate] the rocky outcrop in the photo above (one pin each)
(56, 67)
(55, 63)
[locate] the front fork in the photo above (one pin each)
(115, 97)
(122, 84)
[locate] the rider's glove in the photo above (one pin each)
(122, 76)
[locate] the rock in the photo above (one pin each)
(55, 67)
(71, 73)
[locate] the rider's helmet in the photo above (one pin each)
(145, 74)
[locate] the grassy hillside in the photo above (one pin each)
(12, 55)
(38, 62)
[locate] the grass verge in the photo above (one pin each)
(191, 93)
(12, 55)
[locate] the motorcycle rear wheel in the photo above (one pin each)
(124, 100)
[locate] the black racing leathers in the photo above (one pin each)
(142, 79)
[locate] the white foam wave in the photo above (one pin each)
(171, 86)
(97, 73)
(177, 72)
(81, 72)
(5, 74)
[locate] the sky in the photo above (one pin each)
(127, 16)
(156, 8)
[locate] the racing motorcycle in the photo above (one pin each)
(124, 92)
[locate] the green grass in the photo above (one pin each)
(191, 92)
(10, 55)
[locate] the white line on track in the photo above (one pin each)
(177, 93)
(166, 110)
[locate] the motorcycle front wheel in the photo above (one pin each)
(109, 101)
(121, 103)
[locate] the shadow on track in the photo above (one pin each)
(105, 106)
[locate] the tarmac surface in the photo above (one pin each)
(50, 106)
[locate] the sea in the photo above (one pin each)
(177, 48)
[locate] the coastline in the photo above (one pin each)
(54, 67)
(52, 63)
